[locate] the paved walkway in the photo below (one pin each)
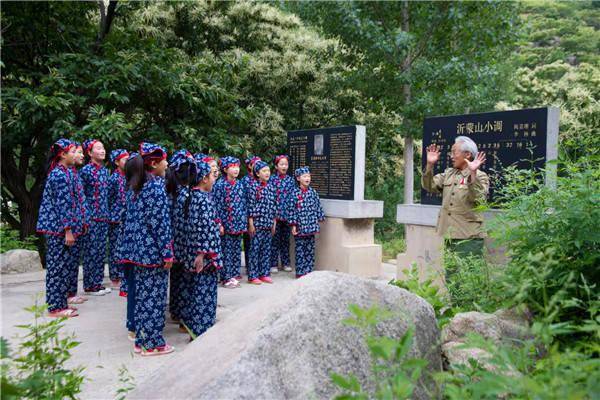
(104, 347)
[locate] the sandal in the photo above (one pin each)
(65, 312)
(230, 284)
(158, 351)
(75, 300)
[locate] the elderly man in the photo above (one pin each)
(463, 187)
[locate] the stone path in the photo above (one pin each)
(104, 347)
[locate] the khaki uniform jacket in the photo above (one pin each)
(459, 196)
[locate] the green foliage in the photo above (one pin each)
(395, 374)
(126, 383)
(429, 291)
(516, 372)
(9, 240)
(38, 370)
(392, 247)
(554, 243)
(474, 283)
(558, 64)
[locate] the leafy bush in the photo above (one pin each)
(9, 240)
(475, 283)
(38, 369)
(394, 373)
(554, 242)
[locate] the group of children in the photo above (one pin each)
(175, 226)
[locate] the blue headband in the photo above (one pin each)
(301, 171)
(117, 154)
(202, 169)
(180, 158)
(88, 144)
(152, 151)
(228, 161)
(258, 165)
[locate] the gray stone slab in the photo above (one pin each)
(352, 209)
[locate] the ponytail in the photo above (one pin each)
(135, 173)
(53, 155)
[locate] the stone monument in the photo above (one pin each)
(525, 138)
(336, 158)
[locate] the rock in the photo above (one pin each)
(502, 327)
(286, 346)
(20, 260)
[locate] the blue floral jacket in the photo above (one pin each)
(285, 186)
(95, 185)
(230, 201)
(147, 239)
(261, 205)
(305, 211)
(60, 208)
(117, 191)
(201, 232)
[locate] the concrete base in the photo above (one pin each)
(348, 245)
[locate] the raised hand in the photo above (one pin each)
(477, 162)
(433, 154)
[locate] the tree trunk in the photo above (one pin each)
(408, 140)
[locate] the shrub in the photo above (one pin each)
(38, 369)
(9, 240)
(554, 242)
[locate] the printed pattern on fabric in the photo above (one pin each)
(94, 254)
(60, 208)
(280, 245)
(95, 185)
(200, 300)
(232, 256)
(305, 211)
(230, 201)
(115, 270)
(58, 263)
(117, 195)
(147, 239)
(284, 188)
(178, 221)
(305, 254)
(150, 303)
(261, 205)
(260, 254)
(202, 232)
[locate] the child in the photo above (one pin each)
(247, 182)
(95, 184)
(61, 221)
(147, 247)
(181, 175)
(201, 257)
(77, 249)
(284, 185)
(261, 224)
(230, 199)
(128, 281)
(304, 215)
(116, 200)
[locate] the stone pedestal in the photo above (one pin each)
(347, 240)
(424, 245)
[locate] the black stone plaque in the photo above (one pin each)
(330, 155)
(507, 138)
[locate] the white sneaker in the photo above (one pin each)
(106, 290)
(274, 270)
(287, 268)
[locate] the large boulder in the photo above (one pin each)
(20, 260)
(286, 346)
